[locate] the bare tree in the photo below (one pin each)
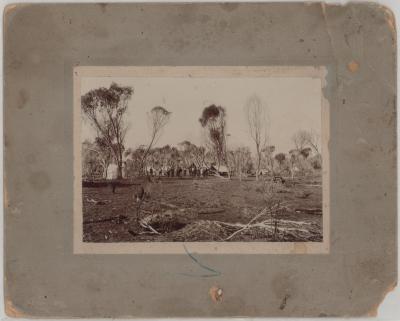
(257, 119)
(157, 119)
(92, 162)
(305, 141)
(240, 159)
(300, 139)
(312, 139)
(105, 108)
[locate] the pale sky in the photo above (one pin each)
(293, 104)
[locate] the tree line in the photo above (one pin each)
(106, 111)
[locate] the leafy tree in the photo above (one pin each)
(305, 152)
(106, 108)
(281, 157)
(316, 162)
(213, 119)
(134, 161)
(186, 152)
(300, 139)
(192, 154)
(199, 156)
(173, 158)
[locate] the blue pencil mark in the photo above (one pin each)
(205, 267)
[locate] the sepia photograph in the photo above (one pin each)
(227, 155)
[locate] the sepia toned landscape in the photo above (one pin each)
(200, 160)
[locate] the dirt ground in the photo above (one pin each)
(203, 209)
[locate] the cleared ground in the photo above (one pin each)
(206, 209)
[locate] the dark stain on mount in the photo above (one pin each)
(103, 6)
(23, 97)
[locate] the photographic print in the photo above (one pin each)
(182, 160)
(226, 159)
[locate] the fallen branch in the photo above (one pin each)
(148, 226)
(99, 221)
(288, 222)
(316, 211)
(168, 205)
(263, 212)
(212, 211)
(109, 219)
(282, 222)
(102, 202)
(270, 228)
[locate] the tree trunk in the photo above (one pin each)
(240, 170)
(119, 170)
(258, 160)
(258, 166)
(105, 172)
(272, 165)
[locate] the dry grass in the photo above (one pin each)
(205, 210)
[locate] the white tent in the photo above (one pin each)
(222, 169)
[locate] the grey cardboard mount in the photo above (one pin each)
(42, 43)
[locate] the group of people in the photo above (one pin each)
(192, 171)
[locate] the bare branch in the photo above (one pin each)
(257, 120)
